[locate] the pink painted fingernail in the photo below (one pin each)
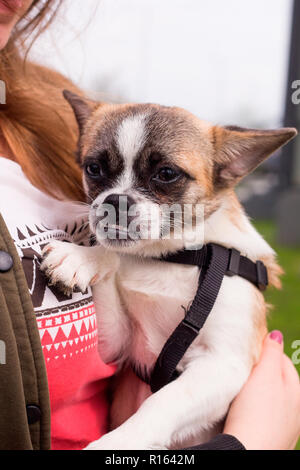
(277, 336)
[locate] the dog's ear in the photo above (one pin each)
(82, 107)
(239, 151)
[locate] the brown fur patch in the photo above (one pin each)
(274, 271)
(260, 326)
(234, 213)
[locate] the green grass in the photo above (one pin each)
(285, 315)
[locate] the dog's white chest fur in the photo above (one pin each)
(155, 296)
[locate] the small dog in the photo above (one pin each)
(158, 156)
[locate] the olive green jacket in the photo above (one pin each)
(24, 396)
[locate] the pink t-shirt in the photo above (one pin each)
(77, 377)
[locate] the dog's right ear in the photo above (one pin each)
(82, 107)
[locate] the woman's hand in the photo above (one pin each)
(266, 413)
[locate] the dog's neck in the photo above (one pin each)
(228, 226)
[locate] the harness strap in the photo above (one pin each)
(238, 265)
(210, 281)
(215, 262)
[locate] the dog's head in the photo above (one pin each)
(147, 163)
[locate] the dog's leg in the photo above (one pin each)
(114, 325)
(195, 401)
(72, 265)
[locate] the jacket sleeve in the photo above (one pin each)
(221, 442)
(24, 396)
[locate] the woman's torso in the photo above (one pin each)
(67, 324)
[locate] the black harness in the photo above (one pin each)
(215, 262)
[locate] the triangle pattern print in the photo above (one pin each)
(68, 334)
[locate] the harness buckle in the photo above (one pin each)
(234, 263)
(262, 276)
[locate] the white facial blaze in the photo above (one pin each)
(131, 137)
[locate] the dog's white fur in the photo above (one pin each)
(131, 137)
(139, 303)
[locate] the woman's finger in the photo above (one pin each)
(290, 373)
(272, 353)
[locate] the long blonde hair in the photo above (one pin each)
(36, 122)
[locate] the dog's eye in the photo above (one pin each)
(93, 170)
(167, 175)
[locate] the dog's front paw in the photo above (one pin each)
(73, 266)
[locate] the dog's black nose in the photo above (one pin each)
(121, 204)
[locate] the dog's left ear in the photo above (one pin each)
(239, 151)
(82, 107)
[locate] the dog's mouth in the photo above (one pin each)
(115, 235)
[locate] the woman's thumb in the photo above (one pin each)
(276, 336)
(273, 346)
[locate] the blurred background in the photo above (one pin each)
(223, 60)
(229, 62)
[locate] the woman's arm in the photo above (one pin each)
(266, 413)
